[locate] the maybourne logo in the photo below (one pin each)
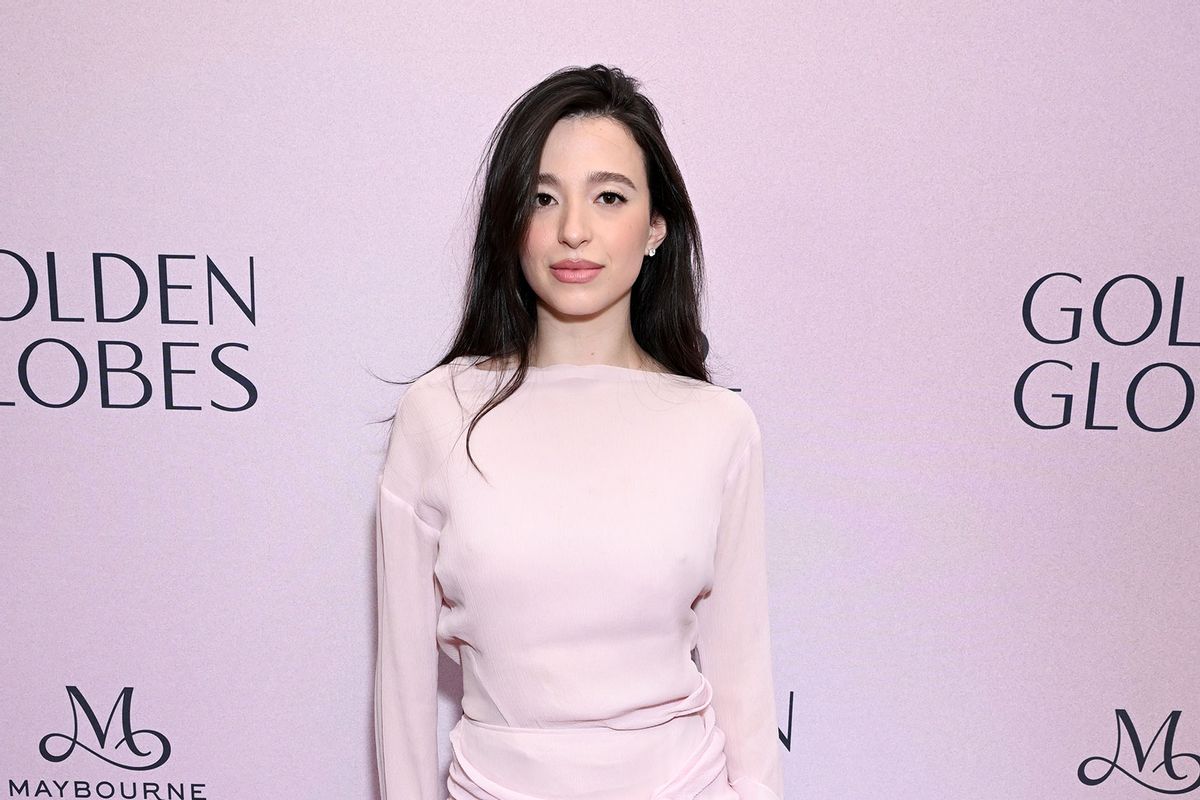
(126, 747)
(1141, 756)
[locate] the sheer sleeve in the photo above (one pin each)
(734, 634)
(408, 602)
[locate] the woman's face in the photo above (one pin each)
(591, 204)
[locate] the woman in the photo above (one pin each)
(601, 519)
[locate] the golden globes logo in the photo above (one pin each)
(116, 372)
(1055, 373)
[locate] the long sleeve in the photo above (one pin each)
(734, 633)
(408, 602)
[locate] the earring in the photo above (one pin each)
(651, 252)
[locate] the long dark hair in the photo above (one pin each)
(499, 317)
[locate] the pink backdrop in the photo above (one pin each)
(962, 602)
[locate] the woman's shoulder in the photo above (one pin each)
(719, 409)
(426, 419)
(435, 378)
(735, 412)
(429, 400)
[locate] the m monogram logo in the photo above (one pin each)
(135, 757)
(1141, 756)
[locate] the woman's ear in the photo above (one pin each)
(658, 231)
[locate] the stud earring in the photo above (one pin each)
(651, 252)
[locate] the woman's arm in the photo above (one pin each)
(734, 633)
(408, 602)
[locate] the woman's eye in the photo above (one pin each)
(539, 196)
(619, 197)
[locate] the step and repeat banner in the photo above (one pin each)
(953, 264)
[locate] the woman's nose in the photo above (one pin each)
(573, 224)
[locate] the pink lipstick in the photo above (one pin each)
(575, 271)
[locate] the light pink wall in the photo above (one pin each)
(961, 601)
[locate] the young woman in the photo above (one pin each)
(569, 509)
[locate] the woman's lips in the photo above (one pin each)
(581, 271)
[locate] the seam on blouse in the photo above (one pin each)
(736, 465)
(429, 530)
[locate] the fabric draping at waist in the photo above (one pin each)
(674, 760)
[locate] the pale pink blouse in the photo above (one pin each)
(618, 525)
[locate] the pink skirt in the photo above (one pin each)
(680, 759)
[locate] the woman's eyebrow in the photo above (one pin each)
(602, 176)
